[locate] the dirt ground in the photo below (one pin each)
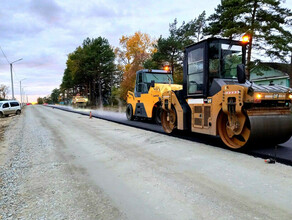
(4, 123)
(63, 165)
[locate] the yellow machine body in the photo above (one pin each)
(145, 101)
(79, 101)
(150, 99)
(239, 112)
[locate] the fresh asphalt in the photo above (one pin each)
(281, 153)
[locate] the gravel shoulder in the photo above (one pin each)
(4, 123)
(39, 183)
(63, 165)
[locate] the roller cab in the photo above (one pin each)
(145, 101)
(216, 99)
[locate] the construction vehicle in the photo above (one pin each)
(216, 98)
(145, 101)
(79, 101)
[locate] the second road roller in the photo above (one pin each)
(217, 99)
(145, 101)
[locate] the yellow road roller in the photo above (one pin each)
(145, 101)
(216, 98)
(79, 101)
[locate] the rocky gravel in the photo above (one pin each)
(61, 165)
(4, 122)
(37, 182)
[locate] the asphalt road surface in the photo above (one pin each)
(62, 165)
(281, 153)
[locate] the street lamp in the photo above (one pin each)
(23, 94)
(12, 76)
(20, 90)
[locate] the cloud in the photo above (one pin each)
(48, 10)
(43, 32)
(102, 11)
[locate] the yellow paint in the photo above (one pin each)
(152, 97)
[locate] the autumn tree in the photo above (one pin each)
(134, 51)
(265, 21)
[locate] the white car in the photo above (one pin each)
(9, 107)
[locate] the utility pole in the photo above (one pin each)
(12, 87)
(23, 96)
(20, 93)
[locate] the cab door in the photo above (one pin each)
(140, 89)
(6, 108)
(14, 106)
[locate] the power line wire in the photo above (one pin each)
(4, 55)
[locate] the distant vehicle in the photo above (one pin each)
(79, 101)
(28, 103)
(9, 107)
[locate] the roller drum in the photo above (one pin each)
(273, 129)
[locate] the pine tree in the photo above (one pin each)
(265, 21)
(170, 50)
(90, 69)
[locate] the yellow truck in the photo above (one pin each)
(145, 101)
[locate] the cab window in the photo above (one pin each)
(214, 61)
(223, 60)
(231, 56)
(158, 78)
(139, 85)
(140, 78)
(195, 71)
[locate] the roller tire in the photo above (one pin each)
(237, 141)
(129, 113)
(169, 126)
(157, 115)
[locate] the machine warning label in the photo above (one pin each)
(232, 92)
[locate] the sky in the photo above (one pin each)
(44, 32)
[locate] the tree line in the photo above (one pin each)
(104, 74)
(3, 92)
